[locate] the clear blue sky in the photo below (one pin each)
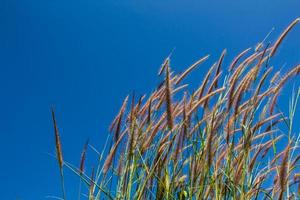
(85, 56)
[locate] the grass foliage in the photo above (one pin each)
(227, 139)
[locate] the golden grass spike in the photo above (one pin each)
(118, 127)
(175, 90)
(209, 149)
(184, 117)
(57, 141)
(113, 124)
(143, 109)
(275, 77)
(220, 61)
(119, 119)
(111, 154)
(250, 59)
(156, 127)
(213, 85)
(132, 109)
(83, 158)
(283, 171)
(263, 134)
(264, 121)
(203, 99)
(294, 71)
(242, 88)
(149, 111)
(122, 109)
(183, 132)
(59, 154)
(254, 158)
(236, 59)
(166, 62)
(273, 102)
(263, 58)
(168, 98)
(92, 184)
(161, 95)
(282, 36)
(186, 72)
(262, 80)
(236, 74)
(146, 144)
(164, 65)
(201, 89)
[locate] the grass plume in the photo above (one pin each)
(224, 139)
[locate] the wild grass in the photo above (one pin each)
(227, 139)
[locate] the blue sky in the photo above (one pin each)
(85, 56)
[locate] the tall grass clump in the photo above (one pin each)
(227, 139)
